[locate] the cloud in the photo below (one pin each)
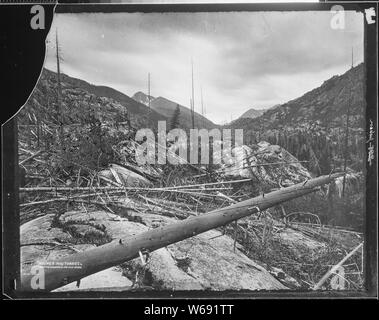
(241, 59)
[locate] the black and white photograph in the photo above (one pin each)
(197, 152)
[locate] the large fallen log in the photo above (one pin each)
(79, 265)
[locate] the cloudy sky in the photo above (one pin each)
(241, 59)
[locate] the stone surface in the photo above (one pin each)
(206, 261)
(245, 162)
(109, 279)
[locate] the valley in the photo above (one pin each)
(298, 191)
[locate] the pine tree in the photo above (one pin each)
(175, 118)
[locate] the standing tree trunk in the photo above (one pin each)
(331, 212)
(346, 151)
(59, 95)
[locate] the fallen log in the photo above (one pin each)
(117, 191)
(94, 260)
(81, 189)
(208, 184)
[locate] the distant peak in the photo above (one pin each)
(252, 113)
(141, 93)
(142, 97)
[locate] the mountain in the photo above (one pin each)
(326, 105)
(105, 99)
(167, 108)
(252, 113)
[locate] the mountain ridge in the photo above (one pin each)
(133, 106)
(167, 108)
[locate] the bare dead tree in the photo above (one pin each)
(59, 91)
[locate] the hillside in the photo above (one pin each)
(326, 105)
(78, 94)
(167, 107)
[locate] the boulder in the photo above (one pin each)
(265, 163)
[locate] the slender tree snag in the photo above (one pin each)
(31, 157)
(122, 250)
(346, 151)
(331, 210)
